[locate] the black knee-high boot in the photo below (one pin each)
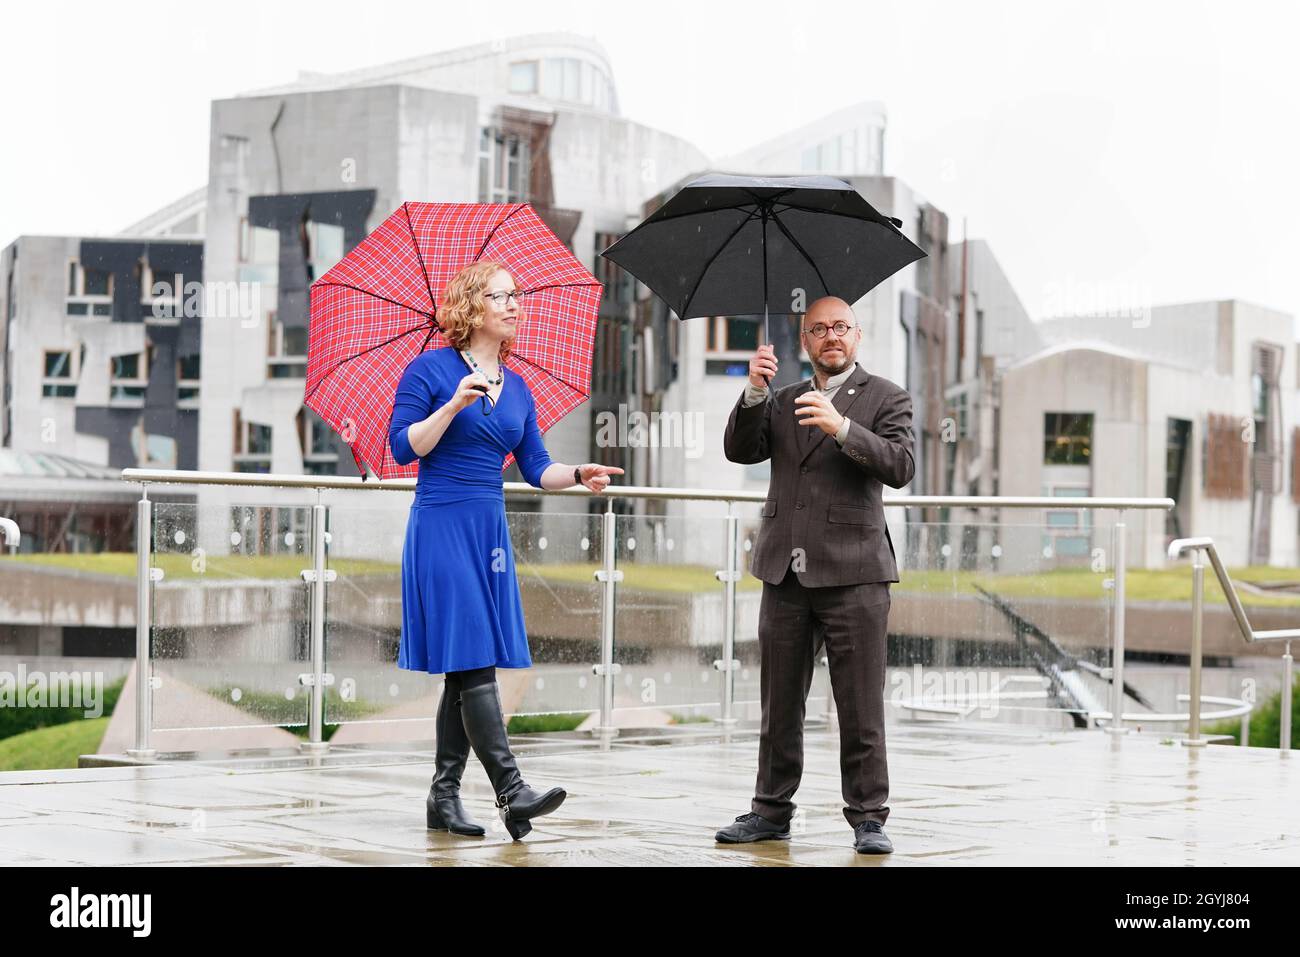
(443, 808)
(485, 726)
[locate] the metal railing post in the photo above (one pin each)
(1194, 738)
(317, 576)
(729, 576)
(608, 576)
(1117, 653)
(1288, 679)
(1206, 545)
(143, 626)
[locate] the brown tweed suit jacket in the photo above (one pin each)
(822, 498)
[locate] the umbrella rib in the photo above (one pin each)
(348, 285)
(560, 379)
(803, 252)
(378, 345)
(563, 285)
(718, 252)
(415, 243)
(861, 219)
(490, 236)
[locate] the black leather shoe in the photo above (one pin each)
(443, 809)
(485, 726)
(869, 838)
(752, 827)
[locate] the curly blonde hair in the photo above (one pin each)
(463, 307)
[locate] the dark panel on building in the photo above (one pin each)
(288, 214)
(177, 263)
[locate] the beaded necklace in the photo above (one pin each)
(500, 376)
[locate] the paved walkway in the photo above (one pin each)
(961, 794)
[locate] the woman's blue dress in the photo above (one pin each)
(461, 606)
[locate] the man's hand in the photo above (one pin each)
(763, 364)
(813, 408)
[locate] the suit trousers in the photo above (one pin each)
(794, 623)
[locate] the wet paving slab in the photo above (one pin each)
(960, 793)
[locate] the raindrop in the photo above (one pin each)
(288, 694)
(288, 538)
(669, 544)
(541, 683)
(631, 544)
(996, 551)
(235, 538)
(393, 690)
(236, 694)
(668, 677)
(946, 551)
(179, 537)
(584, 544)
(1047, 552)
(582, 681)
(748, 544)
(541, 543)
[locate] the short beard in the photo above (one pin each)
(848, 361)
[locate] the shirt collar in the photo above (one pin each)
(838, 379)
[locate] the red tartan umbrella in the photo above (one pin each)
(377, 309)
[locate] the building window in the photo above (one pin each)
(187, 381)
(162, 295)
(90, 291)
(1067, 438)
(252, 446)
(734, 334)
(319, 453)
(504, 165)
(1178, 438)
(323, 247)
(58, 381)
(1069, 531)
(619, 285)
(128, 378)
(523, 77)
(286, 351)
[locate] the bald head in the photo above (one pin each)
(827, 309)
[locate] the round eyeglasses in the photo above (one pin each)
(819, 330)
(500, 298)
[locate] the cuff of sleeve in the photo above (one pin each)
(843, 433)
(402, 451)
(752, 395)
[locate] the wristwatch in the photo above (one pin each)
(577, 475)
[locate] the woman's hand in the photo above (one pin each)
(596, 477)
(466, 395)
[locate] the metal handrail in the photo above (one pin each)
(608, 575)
(12, 535)
(199, 477)
(1206, 545)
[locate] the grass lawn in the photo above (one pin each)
(1171, 584)
(58, 746)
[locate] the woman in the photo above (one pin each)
(460, 411)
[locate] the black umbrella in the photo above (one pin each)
(729, 245)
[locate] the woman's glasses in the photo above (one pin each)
(501, 298)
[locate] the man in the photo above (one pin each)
(826, 560)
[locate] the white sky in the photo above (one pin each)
(1145, 152)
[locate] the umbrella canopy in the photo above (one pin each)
(377, 309)
(728, 245)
